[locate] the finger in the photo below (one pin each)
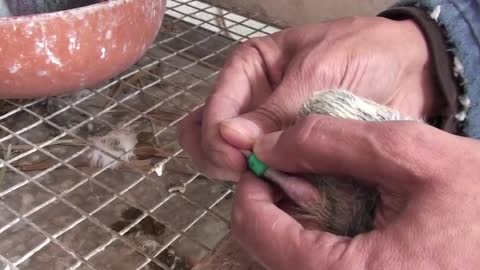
(283, 106)
(189, 138)
(276, 239)
(188, 128)
(369, 151)
(277, 112)
(244, 83)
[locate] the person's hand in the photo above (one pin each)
(429, 215)
(266, 80)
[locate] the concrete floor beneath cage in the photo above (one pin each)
(115, 218)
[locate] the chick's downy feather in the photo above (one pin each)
(118, 143)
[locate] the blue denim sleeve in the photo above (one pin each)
(461, 20)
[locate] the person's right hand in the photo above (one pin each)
(266, 80)
(428, 216)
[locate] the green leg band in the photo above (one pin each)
(256, 166)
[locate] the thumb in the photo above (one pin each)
(398, 154)
(278, 112)
(278, 241)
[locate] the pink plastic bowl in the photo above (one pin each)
(64, 51)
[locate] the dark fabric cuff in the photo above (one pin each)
(442, 62)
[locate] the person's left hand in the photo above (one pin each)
(266, 81)
(428, 218)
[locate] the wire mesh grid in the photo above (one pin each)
(67, 202)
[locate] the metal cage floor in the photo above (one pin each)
(57, 211)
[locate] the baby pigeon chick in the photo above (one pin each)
(339, 206)
(342, 206)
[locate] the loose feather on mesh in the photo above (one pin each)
(118, 143)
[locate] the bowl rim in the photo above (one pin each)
(75, 12)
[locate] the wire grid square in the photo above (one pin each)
(59, 211)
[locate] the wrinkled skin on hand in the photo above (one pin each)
(266, 80)
(428, 216)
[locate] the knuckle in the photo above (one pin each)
(319, 67)
(247, 53)
(404, 145)
(273, 115)
(306, 66)
(387, 140)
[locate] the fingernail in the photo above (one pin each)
(264, 146)
(240, 132)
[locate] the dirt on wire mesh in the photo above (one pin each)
(166, 230)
